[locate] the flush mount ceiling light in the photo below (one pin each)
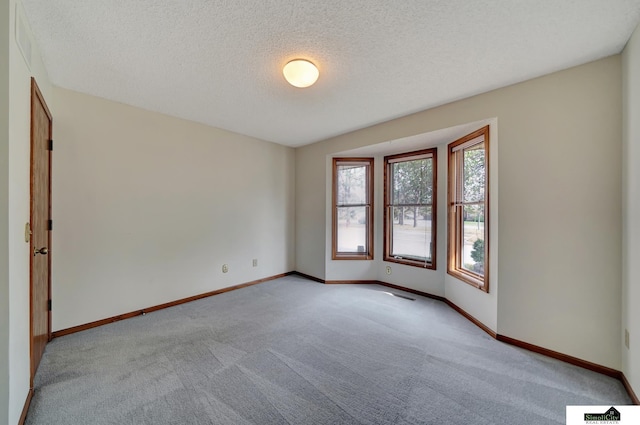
(300, 73)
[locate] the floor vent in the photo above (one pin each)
(399, 296)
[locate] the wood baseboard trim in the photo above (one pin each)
(472, 319)
(25, 409)
(381, 283)
(306, 276)
(574, 361)
(560, 356)
(627, 386)
(412, 291)
(350, 282)
(212, 293)
(129, 315)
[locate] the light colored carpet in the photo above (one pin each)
(292, 351)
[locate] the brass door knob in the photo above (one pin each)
(44, 251)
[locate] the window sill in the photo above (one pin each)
(351, 256)
(470, 279)
(409, 262)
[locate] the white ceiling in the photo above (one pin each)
(219, 62)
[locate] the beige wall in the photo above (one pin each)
(631, 210)
(310, 210)
(558, 252)
(147, 208)
(559, 233)
(19, 192)
(4, 210)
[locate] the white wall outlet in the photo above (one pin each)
(626, 338)
(388, 269)
(225, 268)
(255, 262)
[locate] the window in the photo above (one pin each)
(352, 209)
(410, 208)
(468, 232)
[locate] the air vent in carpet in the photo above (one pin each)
(399, 296)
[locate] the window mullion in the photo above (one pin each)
(351, 205)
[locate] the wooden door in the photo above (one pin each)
(41, 225)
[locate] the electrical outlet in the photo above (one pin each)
(255, 262)
(225, 268)
(626, 338)
(388, 269)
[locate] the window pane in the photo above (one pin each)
(473, 239)
(474, 173)
(413, 182)
(411, 232)
(352, 229)
(352, 184)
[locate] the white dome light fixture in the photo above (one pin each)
(300, 73)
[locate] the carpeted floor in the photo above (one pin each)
(292, 351)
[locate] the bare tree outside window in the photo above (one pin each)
(410, 201)
(352, 206)
(468, 209)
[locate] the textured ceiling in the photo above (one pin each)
(219, 62)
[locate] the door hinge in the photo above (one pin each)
(50, 147)
(50, 224)
(49, 305)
